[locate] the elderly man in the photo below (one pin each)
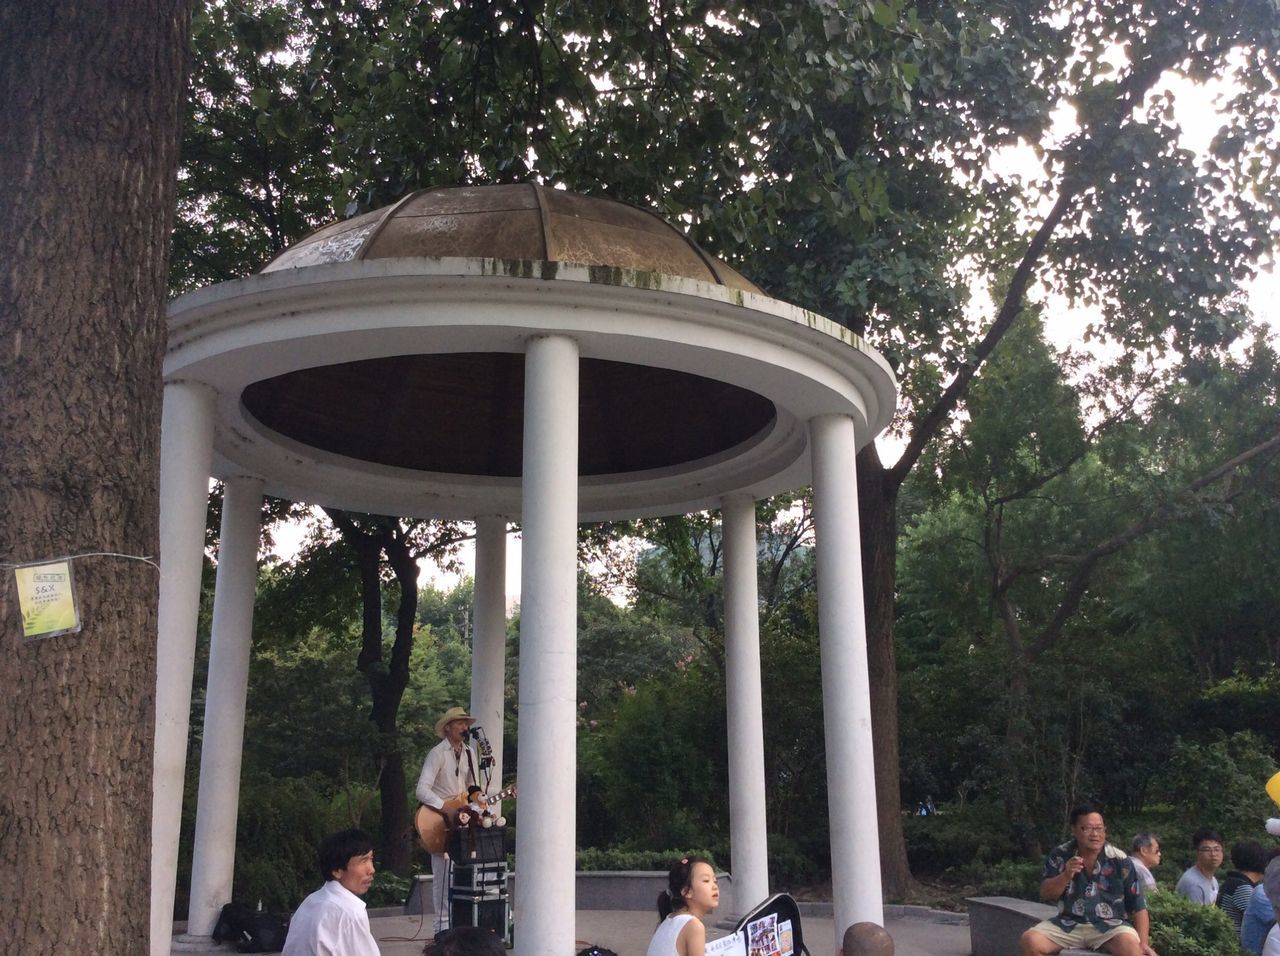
(1198, 883)
(1100, 903)
(333, 919)
(450, 769)
(1145, 853)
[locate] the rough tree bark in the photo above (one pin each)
(397, 843)
(89, 133)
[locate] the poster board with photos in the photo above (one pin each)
(771, 928)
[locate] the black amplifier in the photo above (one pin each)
(487, 912)
(477, 845)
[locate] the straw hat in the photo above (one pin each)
(453, 713)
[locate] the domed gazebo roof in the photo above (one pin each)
(523, 222)
(377, 365)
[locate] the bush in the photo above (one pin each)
(958, 837)
(1009, 878)
(1180, 927)
(1219, 784)
(387, 890)
(281, 823)
(790, 865)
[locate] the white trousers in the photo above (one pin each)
(440, 866)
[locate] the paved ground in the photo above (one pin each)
(915, 930)
(627, 933)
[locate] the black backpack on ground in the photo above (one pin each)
(252, 931)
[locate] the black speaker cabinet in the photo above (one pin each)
(486, 911)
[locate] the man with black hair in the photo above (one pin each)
(1198, 883)
(1100, 902)
(333, 920)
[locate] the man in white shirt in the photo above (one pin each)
(1145, 854)
(333, 920)
(450, 769)
(1198, 883)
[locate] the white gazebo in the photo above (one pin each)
(522, 353)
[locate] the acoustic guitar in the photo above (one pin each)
(434, 826)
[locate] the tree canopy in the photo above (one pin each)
(851, 156)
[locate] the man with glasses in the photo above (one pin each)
(1100, 902)
(1198, 883)
(1145, 854)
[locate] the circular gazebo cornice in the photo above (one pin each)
(768, 365)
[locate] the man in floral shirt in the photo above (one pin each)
(1100, 902)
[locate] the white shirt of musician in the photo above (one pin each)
(332, 921)
(445, 774)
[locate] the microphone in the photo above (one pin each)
(475, 732)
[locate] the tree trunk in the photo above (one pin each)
(878, 522)
(1017, 733)
(397, 846)
(90, 121)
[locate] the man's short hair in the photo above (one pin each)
(1083, 810)
(1204, 836)
(1143, 840)
(337, 849)
(1249, 856)
(467, 941)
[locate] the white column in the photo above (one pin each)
(213, 860)
(548, 650)
(489, 636)
(186, 451)
(748, 830)
(846, 692)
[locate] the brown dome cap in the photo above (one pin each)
(520, 222)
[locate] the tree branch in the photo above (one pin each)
(1153, 519)
(1130, 93)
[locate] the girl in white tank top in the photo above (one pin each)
(692, 893)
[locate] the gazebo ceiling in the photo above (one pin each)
(463, 413)
(377, 364)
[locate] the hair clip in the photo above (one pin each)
(684, 860)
